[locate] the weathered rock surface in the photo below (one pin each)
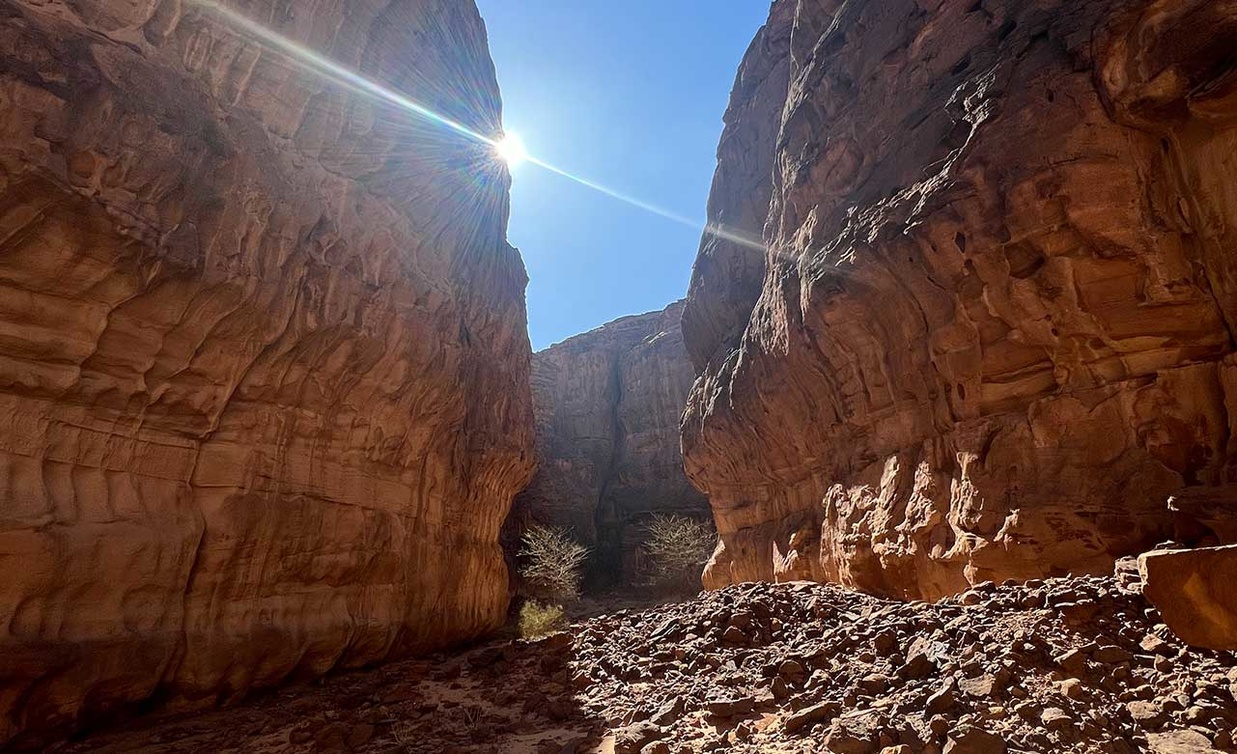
(993, 332)
(1196, 592)
(1068, 665)
(263, 365)
(730, 266)
(608, 404)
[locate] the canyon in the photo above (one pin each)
(990, 330)
(607, 405)
(957, 346)
(264, 373)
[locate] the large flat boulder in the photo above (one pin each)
(1195, 592)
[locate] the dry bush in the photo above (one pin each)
(553, 564)
(678, 548)
(406, 732)
(537, 620)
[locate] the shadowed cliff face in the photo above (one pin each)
(608, 404)
(993, 331)
(263, 362)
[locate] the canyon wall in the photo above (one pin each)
(263, 360)
(988, 329)
(607, 405)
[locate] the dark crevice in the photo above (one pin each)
(606, 561)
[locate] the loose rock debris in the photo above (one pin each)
(1076, 664)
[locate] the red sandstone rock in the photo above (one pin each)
(263, 365)
(994, 326)
(730, 266)
(608, 405)
(1195, 592)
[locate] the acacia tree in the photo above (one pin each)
(552, 564)
(678, 547)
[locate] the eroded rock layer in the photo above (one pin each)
(263, 366)
(991, 330)
(607, 406)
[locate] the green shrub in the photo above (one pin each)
(552, 564)
(537, 620)
(678, 548)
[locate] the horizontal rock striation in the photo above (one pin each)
(607, 406)
(263, 364)
(993, 331)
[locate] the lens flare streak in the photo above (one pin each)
(333, 71)
(329, 69)
(710, 228)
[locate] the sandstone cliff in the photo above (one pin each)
(992, 331)
(607, 405)
(263, 364)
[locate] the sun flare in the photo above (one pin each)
(510, 149)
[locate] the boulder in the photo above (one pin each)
(975, 741)
(1179, 742)
(1195, 592)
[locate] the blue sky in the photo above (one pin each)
(629, 95)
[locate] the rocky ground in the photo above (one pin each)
(1064, 665)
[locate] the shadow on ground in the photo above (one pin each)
(509, 697)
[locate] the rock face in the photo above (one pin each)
(264, 368)
(991, 330)
(607, 405)
(1196, 593)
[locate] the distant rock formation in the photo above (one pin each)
(263, 360)
(992, 331)
(608, 404)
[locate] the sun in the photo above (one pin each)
(510, 149)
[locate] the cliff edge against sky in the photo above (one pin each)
(264, 382)
(992, 331)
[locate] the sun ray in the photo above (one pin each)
(508, 149)
(329, 69)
